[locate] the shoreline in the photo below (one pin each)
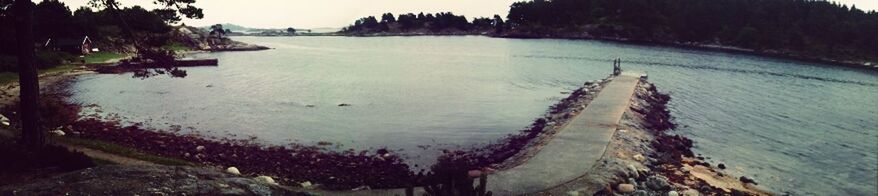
(346, 168)
(797, 56)
(664, 155)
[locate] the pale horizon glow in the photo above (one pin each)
(341, 13)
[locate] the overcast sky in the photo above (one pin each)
(340, 13)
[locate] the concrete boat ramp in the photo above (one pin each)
(576, 149)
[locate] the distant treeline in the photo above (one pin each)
(440, 22)
(808, 27)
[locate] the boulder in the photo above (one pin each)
(306, 184)
(265, 179)
(233, 170)
(199, 148)
(657, 183)
(673, 193)
(4, 120)
(58, 132)
(691, 192)
(625, 188)
(632, 171)
(639, 157)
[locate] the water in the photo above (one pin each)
(802, 128)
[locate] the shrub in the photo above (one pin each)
(49, 59)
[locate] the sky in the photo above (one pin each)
(340, 13)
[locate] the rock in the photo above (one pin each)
(573, 193)
(199, 148)
(623, 131)
(310, 106)
(673, 193)
(343, 105)
(58, 132)
(691, 192)
(640, 193)
(632, 171)
(657, 183)
(265, 179)
(745, 180)
(306, 184)
(721, 166)
(233, 170)
(360, 188)
(4, 120)
(625, 188)
(639, 157)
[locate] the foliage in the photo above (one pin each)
(453, 175)
(49, 59)
(50, 157)
(816, 27)
(54, 112)
(443, 21)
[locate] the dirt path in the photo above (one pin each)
(574, 150)
(117, 159)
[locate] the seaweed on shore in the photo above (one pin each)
(295, 164)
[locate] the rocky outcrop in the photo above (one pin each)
(199, 39)
(148, 180)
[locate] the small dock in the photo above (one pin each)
(177, 63)
(122, 67)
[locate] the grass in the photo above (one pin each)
(103, 57)
(97, 57)
(177, 47)
(7, 77)
(122, 151)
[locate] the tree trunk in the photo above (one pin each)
(31, 133)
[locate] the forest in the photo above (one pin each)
(805, 27)
(814, 29)
(428, 23)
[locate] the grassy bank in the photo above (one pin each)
(121, 151)
(66, 64)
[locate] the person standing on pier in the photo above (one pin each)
(617, 66)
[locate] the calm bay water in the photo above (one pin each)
(795, 127)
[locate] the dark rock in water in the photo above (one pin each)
(721, 166)
(310, 106)
(745, 179)
(343, 105)
(382, 151)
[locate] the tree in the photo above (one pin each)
(52, 19)
(23, 13)
(31, 133)
(387, 18)
(498, 24)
